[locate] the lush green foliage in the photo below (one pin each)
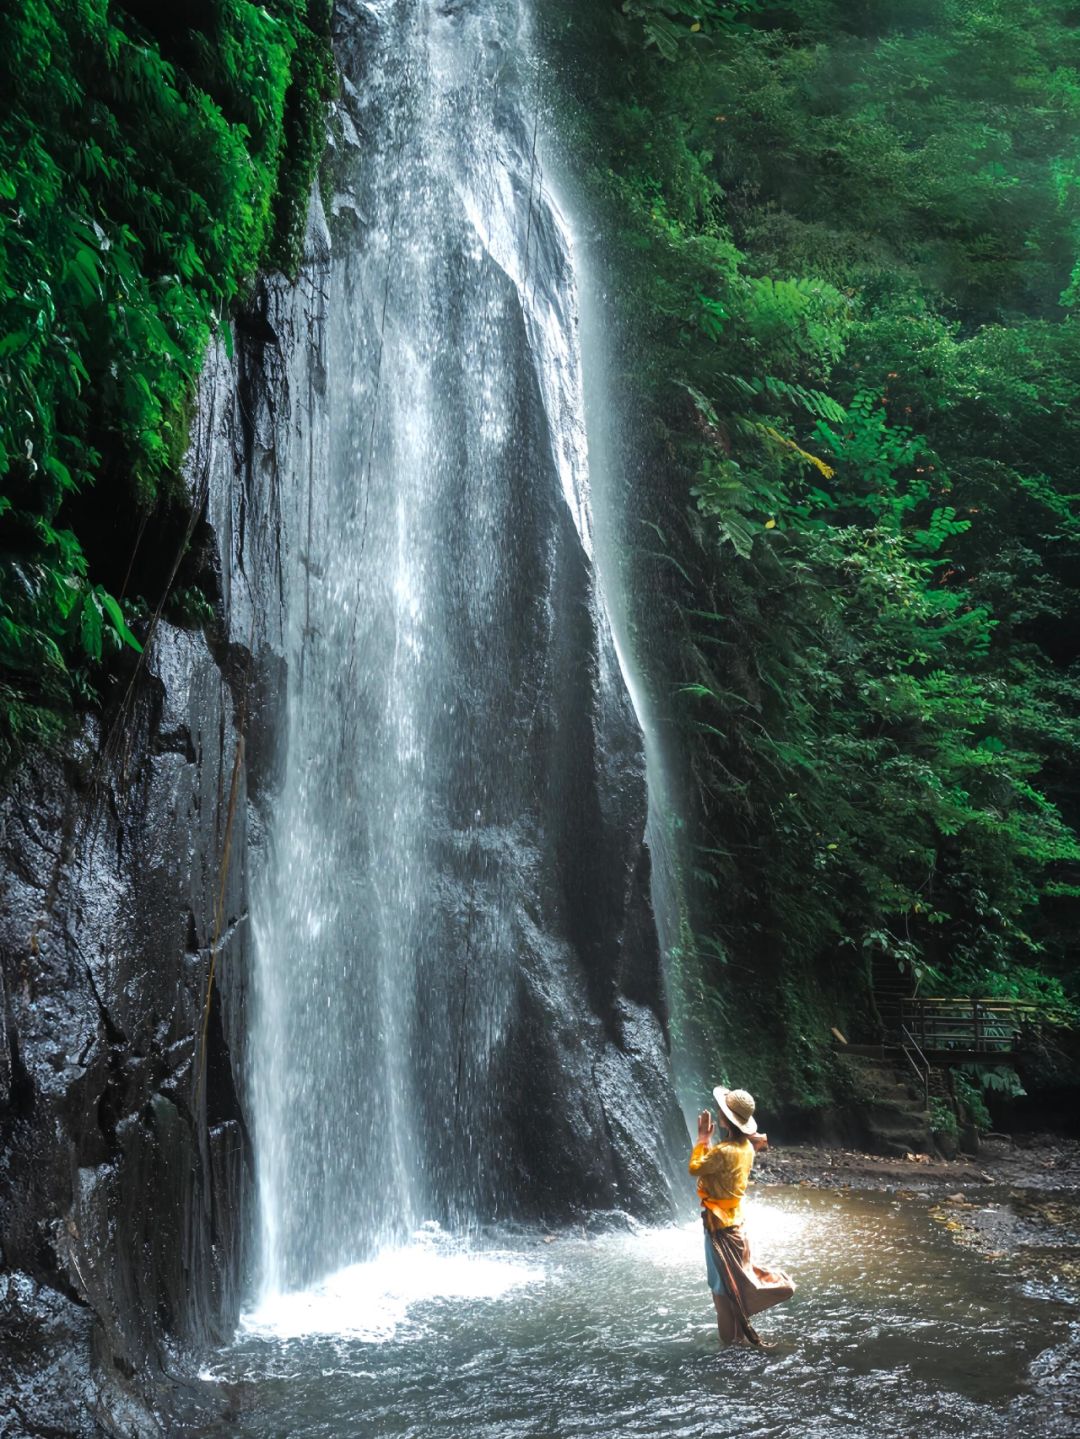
(942, 1119)
(974, 1083)
(151, 160)
(846, 241)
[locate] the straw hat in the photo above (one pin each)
(737, 1107)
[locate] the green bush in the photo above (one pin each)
(973, 1082)
(942, 1119)
(151, 160)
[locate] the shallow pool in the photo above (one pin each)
(894, 1330)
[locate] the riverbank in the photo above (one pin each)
(1017, 1202)
(1027, 1162)
(1016, 1205)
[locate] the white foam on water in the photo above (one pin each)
(370, 1302)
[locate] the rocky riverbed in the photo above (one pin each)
(1029, 1162)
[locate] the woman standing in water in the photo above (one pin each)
(739, 1287)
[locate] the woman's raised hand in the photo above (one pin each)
(704, 1127)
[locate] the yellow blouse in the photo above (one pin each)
(722, 1173)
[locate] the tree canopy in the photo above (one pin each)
(844, 241)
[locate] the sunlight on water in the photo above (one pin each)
(520, 1334)
(370, 1302)
(775, 1230)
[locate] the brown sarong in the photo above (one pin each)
(749, 1287)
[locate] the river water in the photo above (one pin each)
(894, 1330)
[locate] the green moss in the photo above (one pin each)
(314, 81)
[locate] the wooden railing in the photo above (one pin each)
(967, 1026)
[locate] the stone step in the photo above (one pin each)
(910, 1127)
(888, 1052)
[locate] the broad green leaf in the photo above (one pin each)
(116, 615)
(90, 627)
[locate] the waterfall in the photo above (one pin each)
(457, 1006)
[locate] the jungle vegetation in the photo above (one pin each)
(843, 239)
(152, 159)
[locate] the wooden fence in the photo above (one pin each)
(961, 1027)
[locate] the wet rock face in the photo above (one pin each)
(117, 1163)
(45, 1378)
(125, 1162)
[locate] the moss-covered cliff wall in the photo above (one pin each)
(153, 161)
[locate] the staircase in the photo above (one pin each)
(891, 987)
(948, 1029)
(890, 1103)
(894, 1081)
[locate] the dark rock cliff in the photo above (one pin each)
(125, 1164)
(460, 829)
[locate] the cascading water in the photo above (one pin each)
(457, 997)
